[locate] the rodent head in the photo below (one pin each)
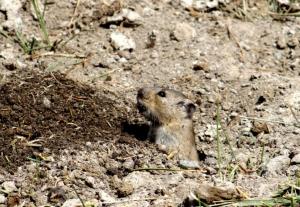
(162, 105)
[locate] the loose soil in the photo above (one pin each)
(70, 128)
(53, 113)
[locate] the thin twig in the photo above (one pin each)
(58, 55)
(294, 114)
(130, 200)
(218, 140)
(78, 196)
(75, 12)
(166, 169)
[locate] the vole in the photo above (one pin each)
(171, 126)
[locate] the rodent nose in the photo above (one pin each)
(140, 93)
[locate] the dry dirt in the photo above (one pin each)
(69, 126)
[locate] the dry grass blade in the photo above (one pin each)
(167, 169)
(74, 13)
(42, 22)
(218, 140)
(129, 200)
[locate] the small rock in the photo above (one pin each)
(56, 195)
(121, 42)
(212, 4)
(189, 164)
(211, 161)
(10, 65)
(283, 2)
(131, 17)
(148, 11)
(125, 189)
(296, 159)
(294, 170)
(259, 127)
(186, 3)
(122, 60)
(90, 181)
(292, 42)
(281, 43)
(183, 31)
(151, 39)
(112, 167)
(105, 197)
(200, 5)
(126, 16)
(278, 164)
(154, 54)
(125, 54)
(9, 186)
(200, 66)
(128, 164)
(11, 9)
(210, 132)
(211, 99)
(75, 202)
(39, 198)
(46, 102)
(2, 199)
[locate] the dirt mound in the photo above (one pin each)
(51, 112)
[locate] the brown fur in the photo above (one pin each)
(170, 114)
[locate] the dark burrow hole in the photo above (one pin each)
(201, 154)
(261, 100)
(139, 130)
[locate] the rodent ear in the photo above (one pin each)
(190, 109)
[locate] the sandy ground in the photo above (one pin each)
(90, 141)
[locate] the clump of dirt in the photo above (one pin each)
(50, 111)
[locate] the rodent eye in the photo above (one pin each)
(162, 94)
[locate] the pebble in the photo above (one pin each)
(296, 159)
(154, 54)
(129, 17)
(201, 65)
(46, 102)
(201, 5)
(212, 4)
(12, 13)
(105, 197)
(90, 181)
(293, 42)
(210, 132)
(128, 164)
(121, 42)
(125, 189)
(183, 31)
(281, 43)
(278, 165)
(9, 186)
(186, 3)
(293, 170)
(148, 11)
(74, 202)
(2, 199)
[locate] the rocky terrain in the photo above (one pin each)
(70, 133)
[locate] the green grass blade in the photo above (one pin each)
(42, 22)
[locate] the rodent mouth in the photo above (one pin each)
(146, 113)
(141, 107)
